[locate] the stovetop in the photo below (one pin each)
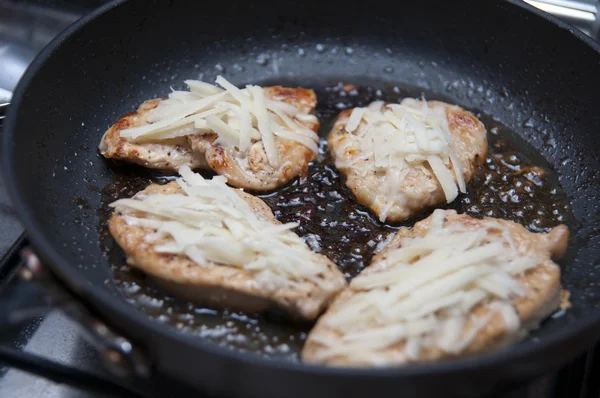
(25, 28)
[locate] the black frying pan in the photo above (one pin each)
(534, 74)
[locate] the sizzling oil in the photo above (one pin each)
(515, 184)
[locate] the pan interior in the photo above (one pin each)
(334, 223)
(538, 96)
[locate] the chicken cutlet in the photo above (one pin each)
(450, 286)
(401, 159)
(216, 245)
(258, 138)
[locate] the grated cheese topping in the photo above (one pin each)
(405, 135)
(239, 117)
(420, 296)
(209, 222)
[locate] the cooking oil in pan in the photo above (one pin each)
(514, 184)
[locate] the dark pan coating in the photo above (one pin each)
(536, 78)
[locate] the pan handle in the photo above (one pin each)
(127, 364)
(119, 355)
(583, 14)
(63, 374)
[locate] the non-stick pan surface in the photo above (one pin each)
(530, 72)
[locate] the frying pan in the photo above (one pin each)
(529, 71)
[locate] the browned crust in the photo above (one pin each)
(217, 284)
(259, 175)
(163, 155)
(302, 98)
(542, 282)
(468, 128)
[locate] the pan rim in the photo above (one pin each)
(96, 296)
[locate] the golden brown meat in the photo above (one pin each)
(218, 284)
(419, 189)
(250, 171)
(541, 298)
(163, 154)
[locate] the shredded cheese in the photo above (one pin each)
(405, 135)
(210, 223)
(239, 117)
(420, 296)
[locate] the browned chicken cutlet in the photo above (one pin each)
(419, 189)
(218, 284)
(199, 151)
(161, 154)
(487, 327)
